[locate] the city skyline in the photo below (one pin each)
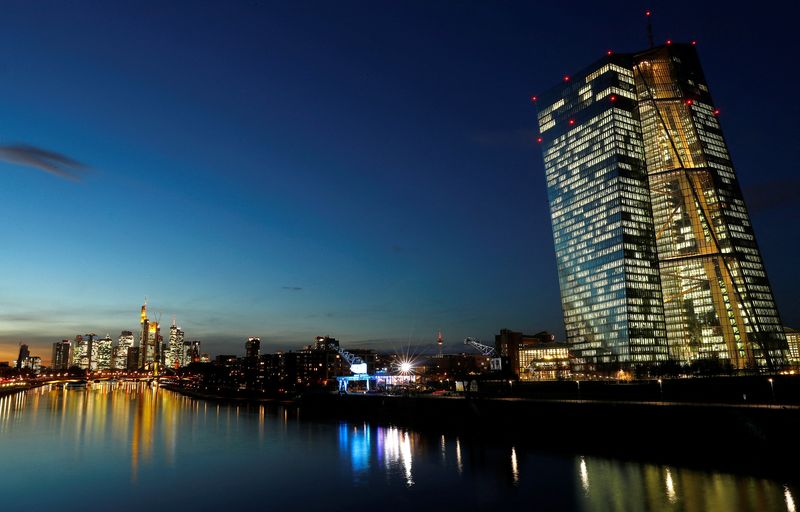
(274, 223)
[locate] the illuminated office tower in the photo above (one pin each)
(78, 351)
(252, 347)
(175, 349)
(656, 255)
(717, 299)
(124, 344)
(61, 354)
(190, 353)
(104, 352)
(602, 225)
(149, 341)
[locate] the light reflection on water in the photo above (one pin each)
(137, 441)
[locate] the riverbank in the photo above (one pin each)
(729, 434)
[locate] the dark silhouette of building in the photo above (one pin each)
(23, 356)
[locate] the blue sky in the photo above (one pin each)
(360, 169)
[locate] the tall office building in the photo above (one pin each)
(78, 351)
(175, 348)
(22, 358)
(656, 256)
(252, 347)
(124, 344)
(190, 352)
(61, 355)
(84, 353)
(104, 352)
(149, 341)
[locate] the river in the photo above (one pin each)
(129, 446)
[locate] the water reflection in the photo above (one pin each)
(514, 466)
(615, 485)
(139, 437)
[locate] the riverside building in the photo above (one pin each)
(657, 258)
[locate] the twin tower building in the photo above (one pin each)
(657, 259)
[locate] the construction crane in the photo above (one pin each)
(357, 365)
(496, 363)
(484, 349)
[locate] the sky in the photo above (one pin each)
(366, 170)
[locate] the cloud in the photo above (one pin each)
(42, 159)
(292, 288)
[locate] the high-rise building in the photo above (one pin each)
(190, 352)
(124, 344)
(133, 358)
(89, 359)
(104, 352)
(84, 353)
(22, 358)
(175, 350)
(149, 341)
(252, 347)
(61, 355)
(656, 255)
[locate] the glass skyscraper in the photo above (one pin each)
(656, 255)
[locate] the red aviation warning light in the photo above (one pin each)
(566, 78)
(571, 122)
(647, 12)
(689, 102)
(539, 140)
(533, 99)
(694, 43)
(439, 339)
(609, 52)
(613, 98)
(716, 112)
(669, 41)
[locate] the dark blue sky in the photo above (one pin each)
(363, 169)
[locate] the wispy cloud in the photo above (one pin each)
(292, 288)
(42, 159)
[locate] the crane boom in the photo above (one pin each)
(484, 349)
(357, 365)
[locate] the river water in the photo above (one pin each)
(128, 446)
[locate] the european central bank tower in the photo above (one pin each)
(657, 259)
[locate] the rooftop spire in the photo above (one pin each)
(648, 15)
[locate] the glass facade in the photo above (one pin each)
(718, 301)
(656, 255)
(602, 221)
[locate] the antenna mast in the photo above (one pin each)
(648, 14)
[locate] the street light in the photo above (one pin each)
(772, 388)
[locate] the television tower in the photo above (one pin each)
(440, 342)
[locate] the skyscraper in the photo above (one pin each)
(104, 353)
(190, 352)
(174, 354)
(252, 347)
(22, 358)
(149, 341)
(656, 256)
(124, 344)
(61, 355)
